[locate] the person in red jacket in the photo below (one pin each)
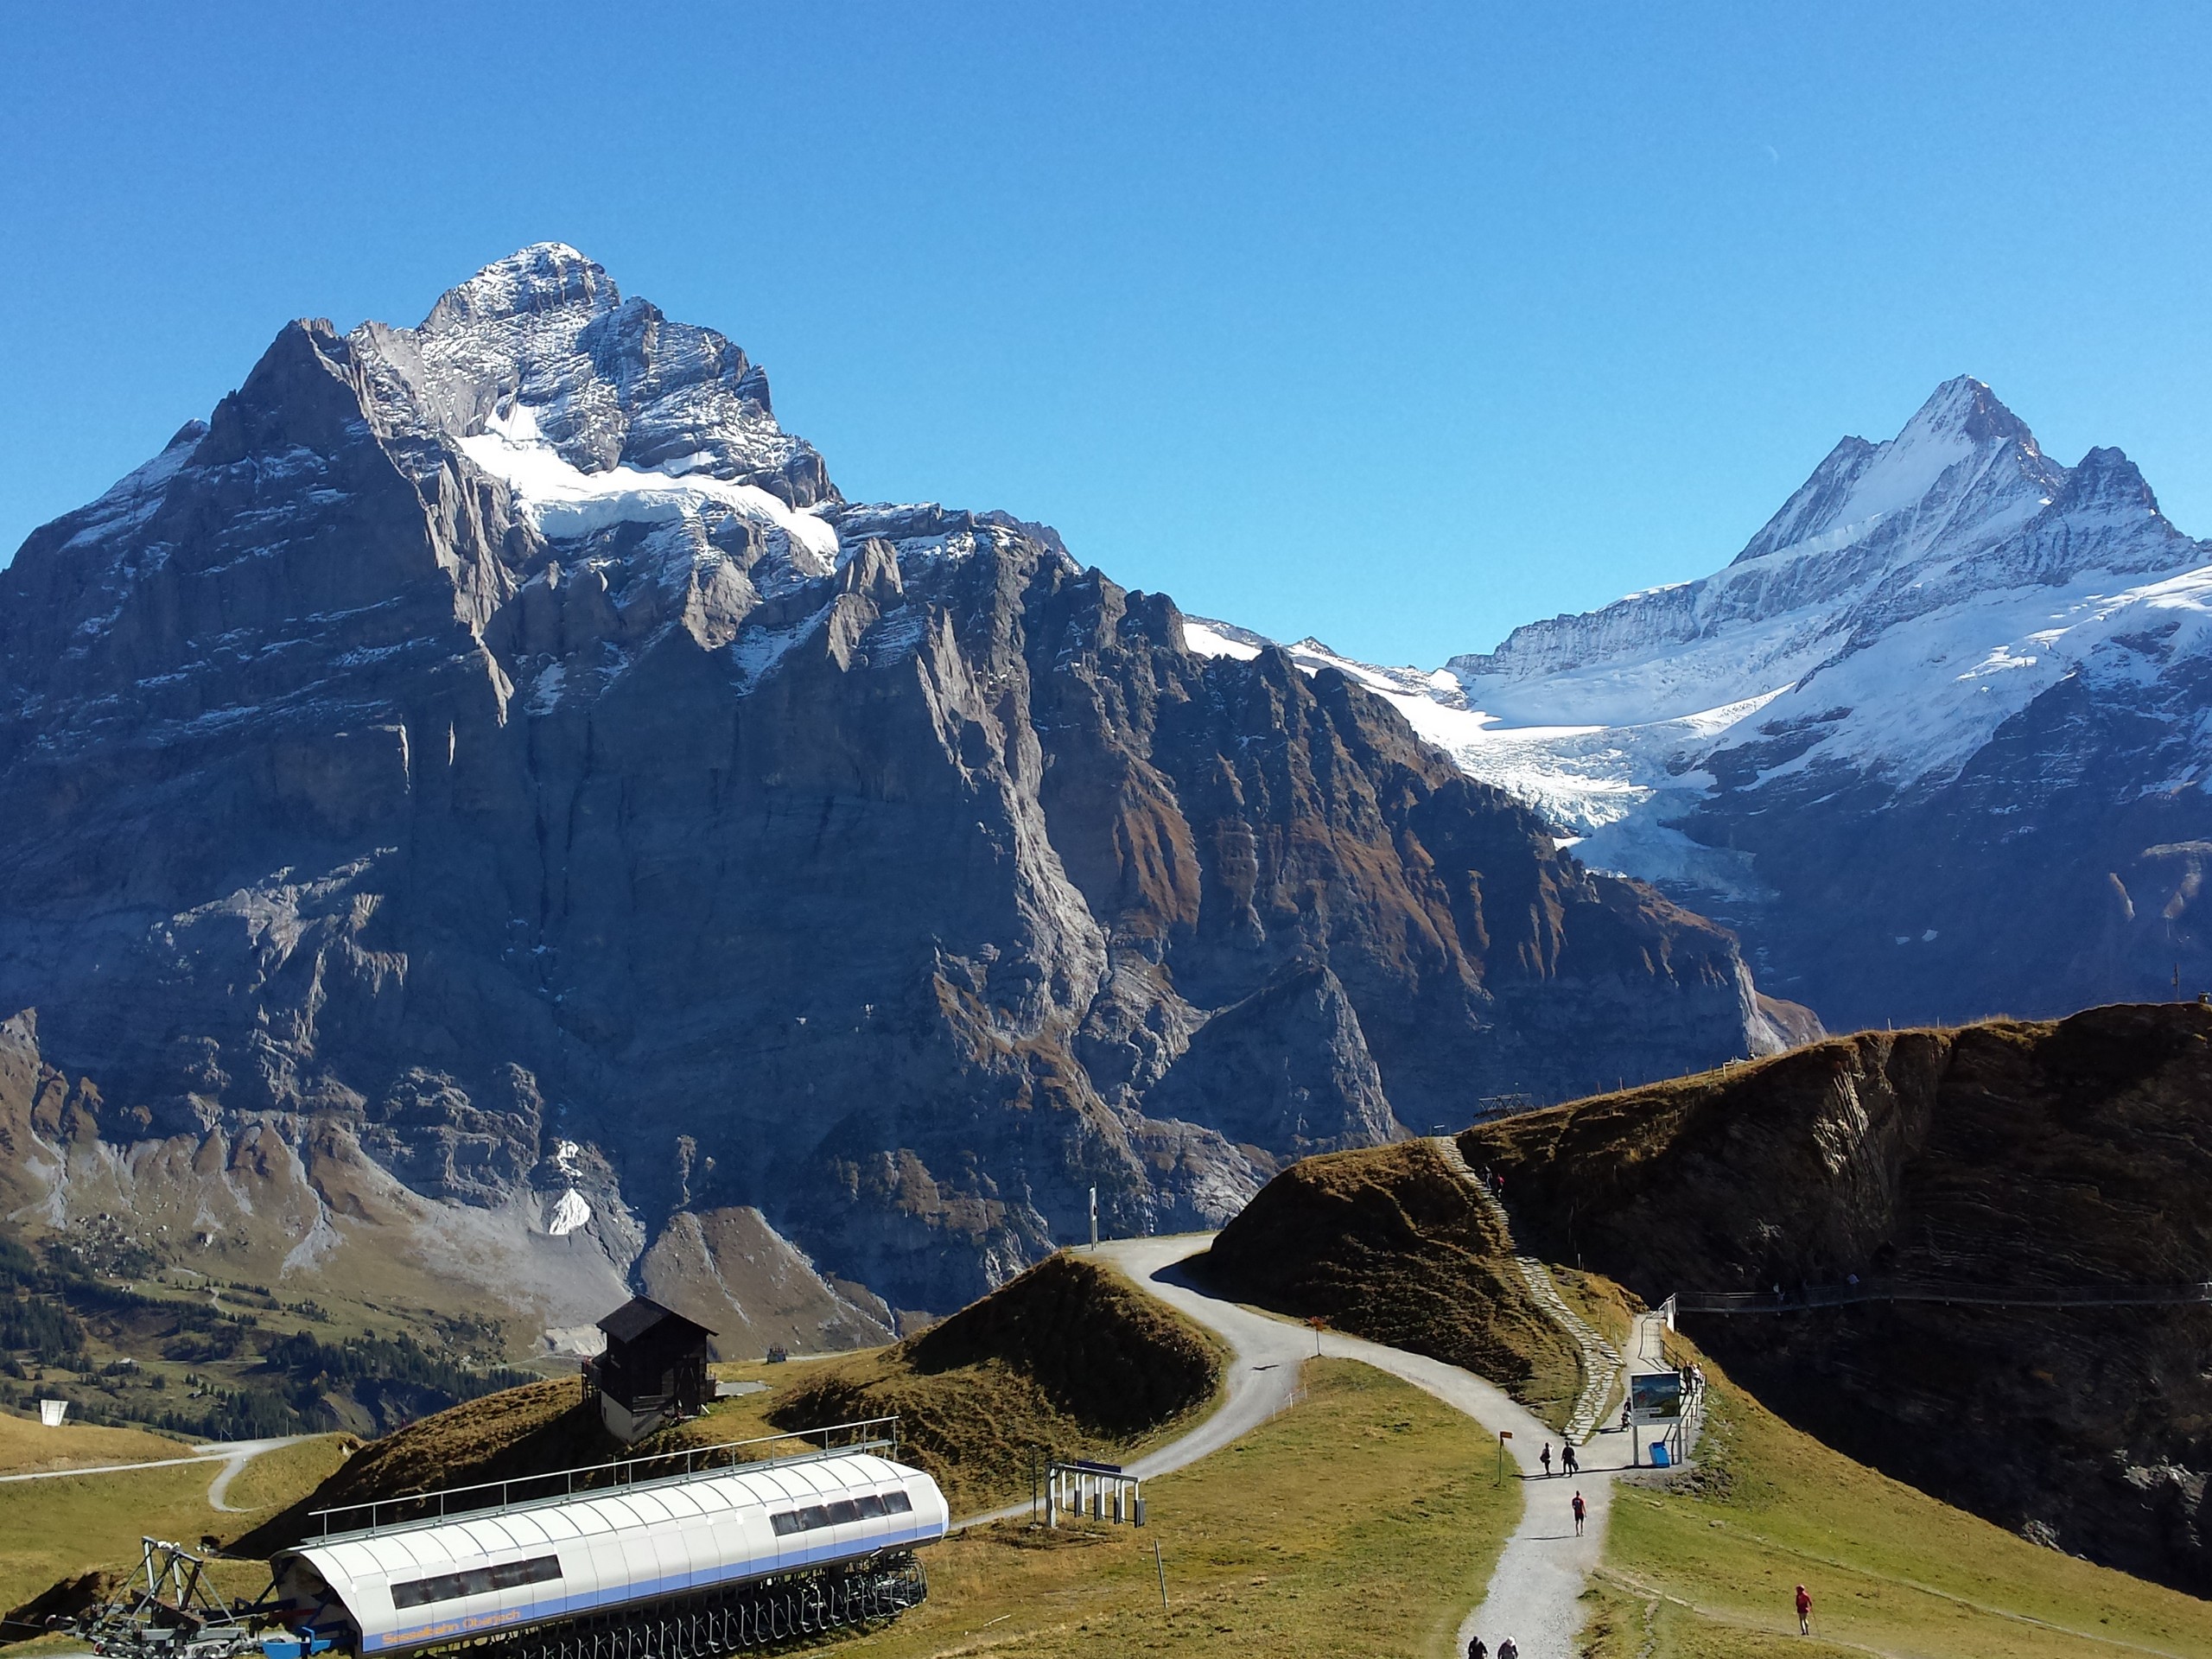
(1804, 1612)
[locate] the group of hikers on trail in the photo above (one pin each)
(1569, 1463)
(1509, 1648)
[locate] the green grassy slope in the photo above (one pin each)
(1703, 1568)
(1361, 1524)
(51, 1530)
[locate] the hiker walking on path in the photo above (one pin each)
(1580, 1511)
(1477, 1648)
(1804, 1616)
(1545, 1457)
(1568, 1463)
(1509, 1648)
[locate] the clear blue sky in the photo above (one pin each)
(1398, 325)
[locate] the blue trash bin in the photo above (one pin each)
(1660, 1458)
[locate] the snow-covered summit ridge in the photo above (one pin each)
(592, 476)
(607, 383)
(1859, 485)
(546, 277)
(1907, 599)
(1962, 502)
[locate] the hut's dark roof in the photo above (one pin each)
(641, 1314)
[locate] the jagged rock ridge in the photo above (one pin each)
(497, 748)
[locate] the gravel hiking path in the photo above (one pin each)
(234, 1455)
(1535, 1594)
(1262, 1377)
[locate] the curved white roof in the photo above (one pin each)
(408, 1587)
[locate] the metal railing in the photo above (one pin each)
(674, 1467)
(1805, 1296)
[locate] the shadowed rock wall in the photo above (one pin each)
(672, 843)
(2030, 1156)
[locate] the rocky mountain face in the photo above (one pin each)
(1934, 743)
(486, 784)
(2069, 1160)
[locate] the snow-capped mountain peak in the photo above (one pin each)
(545, 277)
(1961, 504)
(1916, 608)
(545, 337)
(1964, 465)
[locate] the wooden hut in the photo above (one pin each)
(654, 1370)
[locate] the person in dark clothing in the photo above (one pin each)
(1545, 1457)
(1804, 1612)
(1580, 1511)
(1477, 1648)
(1569, 1463)
(1509, 1648)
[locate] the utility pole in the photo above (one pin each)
(1160, 1561)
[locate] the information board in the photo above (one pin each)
(1656, 1397)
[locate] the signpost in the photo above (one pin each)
(1504, 1435)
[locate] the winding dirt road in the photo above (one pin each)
(1535, 1593)
(234, 1455)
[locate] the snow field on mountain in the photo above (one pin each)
(1211, 642)
(565, 501)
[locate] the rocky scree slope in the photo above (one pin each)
(2032, 1158)
(485, 787)
(1934, 742)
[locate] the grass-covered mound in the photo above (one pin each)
(1390, 1245)
(1070, 1358)
(538, 1426)
(538, 1429)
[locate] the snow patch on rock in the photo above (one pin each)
(565, 502)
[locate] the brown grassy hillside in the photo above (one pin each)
(2028, 1155)
(516, 1432)
(1389, 1244)
(1069, 1357)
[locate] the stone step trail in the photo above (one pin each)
(1601, 1362)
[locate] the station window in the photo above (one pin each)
(477, 1581)
(836, 1514)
